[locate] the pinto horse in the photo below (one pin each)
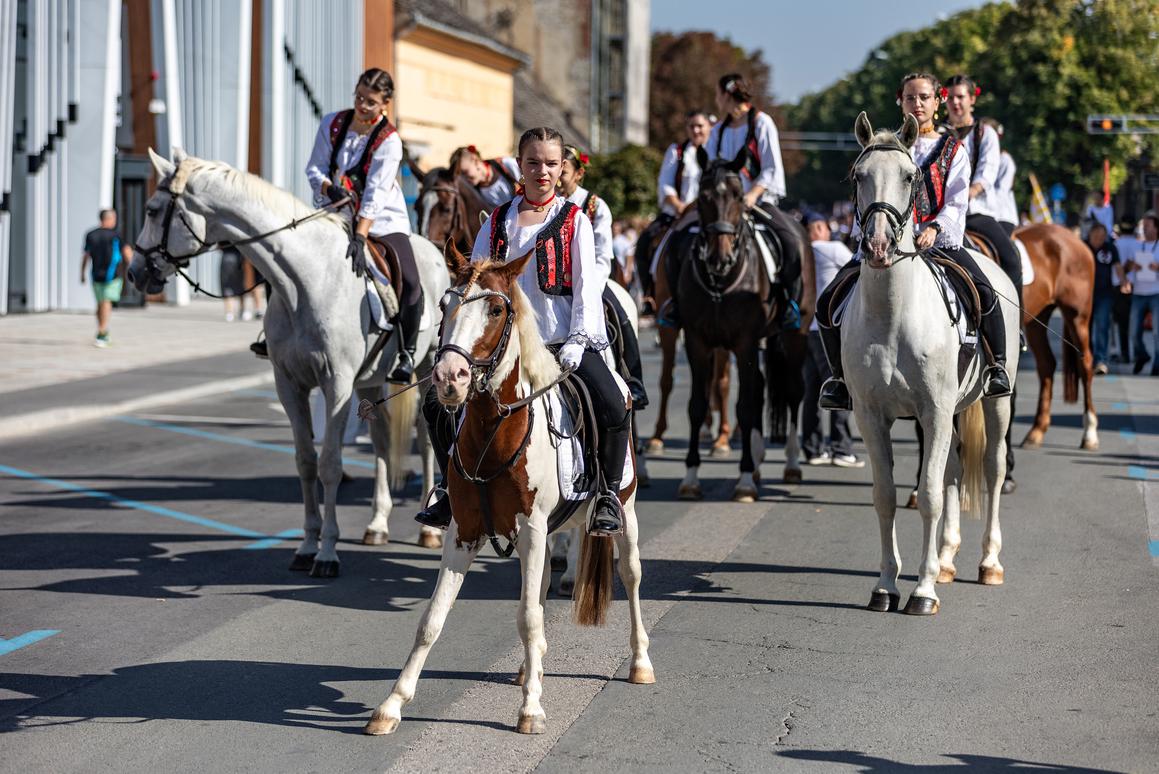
(1064, 278)
(449, 210)
(493, 364)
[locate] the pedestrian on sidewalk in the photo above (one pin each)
(829, 256)
(1107, 270)
(105, 249)
(232, 282)
(1143, 266)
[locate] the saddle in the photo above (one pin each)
(979, 243)
(387, 264)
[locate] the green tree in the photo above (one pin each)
(626, 180)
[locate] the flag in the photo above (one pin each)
(1106, 182)
(1039, 209)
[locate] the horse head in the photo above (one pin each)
(475, 352)
(886, 182)
(444, 214)
(720, 204)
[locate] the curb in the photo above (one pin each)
(51, 419)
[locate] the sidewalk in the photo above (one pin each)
(53, 375)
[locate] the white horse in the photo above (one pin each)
(901, 359)
(505, 443)
(316, 325)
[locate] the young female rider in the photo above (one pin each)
(494, 179)
(945, 180)
(564, 285)
(570, 185)
(984, 153)
(356, 155)
(747, 132)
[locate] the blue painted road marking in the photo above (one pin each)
(278, 538)
(1140, 473)
(1155, 549)
(24, 640)
(1127, 435)
(205, 434)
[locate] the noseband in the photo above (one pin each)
(897, 221)
(482, 369)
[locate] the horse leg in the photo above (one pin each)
(572, 542)
(1081, 334)
(532, 547)
(641, 671)
(429, 537)
(455, 563)
(667, 367)
(939, 432)
(720, 386)
(750, 412)
(951, 539)
(296, 401)
(326, 564)
(875, 434)
(642, 478)
(997, 416)
(378, 530)
(700, 363)
(1044, 362)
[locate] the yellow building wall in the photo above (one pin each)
(445, 101)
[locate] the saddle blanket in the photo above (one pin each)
(1027, 266)
(568, 452)
(381, 312)
(967, 337)
(765, 238)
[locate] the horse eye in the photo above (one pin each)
(496, 311)
(152, 210)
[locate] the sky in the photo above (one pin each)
(810, 44)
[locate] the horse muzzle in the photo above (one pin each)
(146, 275)
(452, 379)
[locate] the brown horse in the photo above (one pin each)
(449, 210)
(1064, 277)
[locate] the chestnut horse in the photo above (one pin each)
(1064, 277)
(449, 210)
(494, 365)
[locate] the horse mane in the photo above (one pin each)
(275, 200)
(537, 362)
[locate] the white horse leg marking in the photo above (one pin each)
(378, 530)
(951, 539)
(532, 549)
(875, 434)
(297, 405)
(792, 448)
(746, 490)
(1090, 431)
(330, 472)
(689, 488)
(455, 563)
(997, 415)
(939, 431)
(641, 671)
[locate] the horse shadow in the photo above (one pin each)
(872, 764)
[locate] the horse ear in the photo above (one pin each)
(512, 269)
(161, 165)
(862, 129)
(909, 131)
(457, 265)
(179, 155)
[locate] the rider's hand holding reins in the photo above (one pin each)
(336, 193)
(570, 356)
(926, 239)
(356, 252)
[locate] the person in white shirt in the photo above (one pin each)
(749, 134)
(1143, 272)
(940, 214)
(1007, 206)
(564, 286)
(495, 179)
(355, 158)
(983, 150)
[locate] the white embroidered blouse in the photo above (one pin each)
(500, 190)
(601, 228)
(689, 181)
(726, 143)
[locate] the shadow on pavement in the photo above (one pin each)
(870, 764)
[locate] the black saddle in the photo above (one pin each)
(577, 403)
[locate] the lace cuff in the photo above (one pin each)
(589, 342)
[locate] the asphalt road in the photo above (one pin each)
(151, 623)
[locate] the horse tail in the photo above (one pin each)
(593, 585)
(402, 412)
(1070, 364)
(972, 431)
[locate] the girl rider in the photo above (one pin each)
(567, 298)
(356, 155)
(494, 179)
(985, 157)
(941, 222)
(570, 179)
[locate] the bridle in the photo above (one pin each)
(741, 231)
(482, 368)
(897, 221)
(458, 210)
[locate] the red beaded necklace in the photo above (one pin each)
(539, 206)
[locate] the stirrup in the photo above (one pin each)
(261, 349)
(438, 513)
(996, 382)
(607, 516)
(791, 319)
(835, 395)
(668, 316)
(404, 369)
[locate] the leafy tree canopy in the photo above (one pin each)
(626, 180)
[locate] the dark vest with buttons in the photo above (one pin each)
(552, 247)
(936, 169)
(354, 179)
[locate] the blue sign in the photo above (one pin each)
(1057, 192)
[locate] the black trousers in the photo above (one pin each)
(629, 350)
(817, 371)
(1008, 257)
(788, 230)
(411, 289)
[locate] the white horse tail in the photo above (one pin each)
(972, 431)
(593, 586)
(402, 412)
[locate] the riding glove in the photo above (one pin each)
(336, 193)
(570, 356)
(356, 252)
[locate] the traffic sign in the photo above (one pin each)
(1058, 192)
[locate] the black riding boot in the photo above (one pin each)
(630, 351)
(834, 393)
(995, 380)
(407, 325)
(440, 429)
(608, 514)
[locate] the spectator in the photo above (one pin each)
(1143, 268)
(103, 247)
(232, 282)
(829, 256)
(1125, 243)
(1107, 270)
(623, 246)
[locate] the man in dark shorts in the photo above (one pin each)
(104, 248)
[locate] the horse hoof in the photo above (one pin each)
(991, 576)
(744, 494)
(1089, 445)
(566, 587)
(912, 502)
(1008, 486)
(720, 451)
(883, 602)
(380, 725)
(921, 606)
(793, 476)
(302, 562)
(641, 676)
(655, 446)
(374, 537)
(689, 492)
(520, 677)
(532, 724)
(947, 574)
(1030, 442)
(324, 569)
(431, 540)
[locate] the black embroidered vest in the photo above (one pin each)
(552, 247)
(935, 170)
(354, 179)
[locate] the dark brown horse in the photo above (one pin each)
(449, 210)
(1064, 278)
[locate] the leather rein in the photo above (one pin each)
(897, 221)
